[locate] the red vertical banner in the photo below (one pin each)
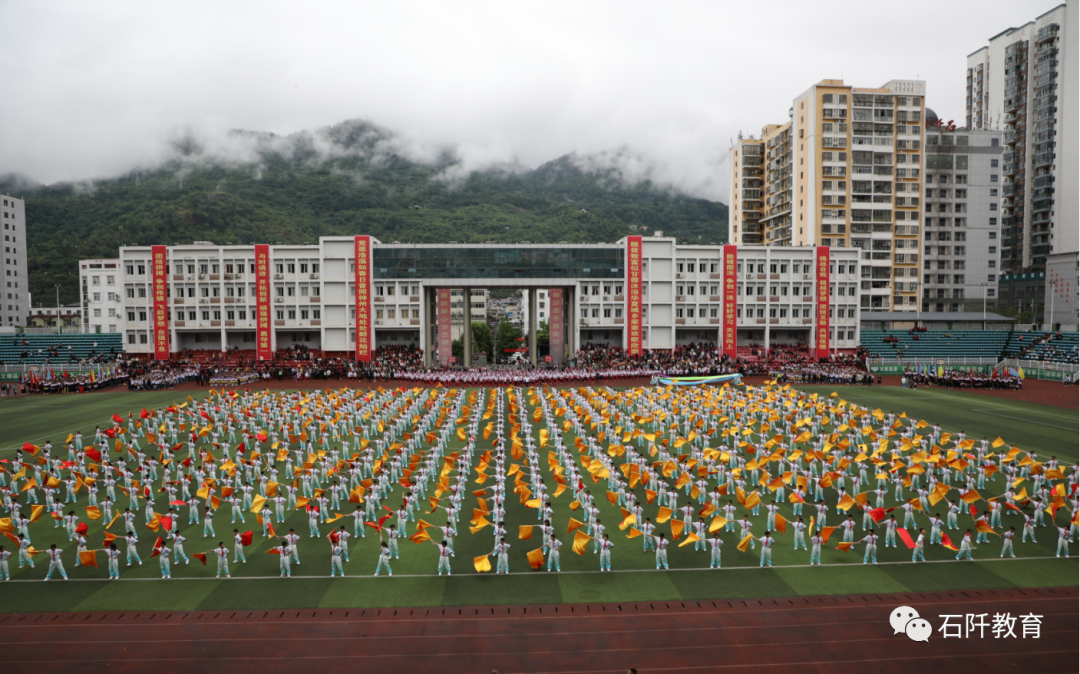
(362, 265)
(821, 337)
(442, 316)
(555, 324)
(729, 327)
(159, 269)
(263, 344)
(633, 296)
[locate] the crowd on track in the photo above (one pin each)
(585, 468)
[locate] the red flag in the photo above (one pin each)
(334, 536)
(166, 522)
(158, 545)
(144, 414)
(877, 514)
(245, 538)
(948, 543)
(111, 432)
(29, 447)
(240, 448)
(94, 455)
(82, 528)
(974, 511)
(274, 551)
(270, 530)
(201, 556)
(118, 419)
(906, 537)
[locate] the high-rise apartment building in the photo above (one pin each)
(845, 171)
(962, 199)
(1024, 83)
(15, 301)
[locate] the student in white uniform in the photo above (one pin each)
(553, 553)
(384, 559)
(55, 563)
(222, 554)
(714, 551)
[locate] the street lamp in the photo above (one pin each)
(1051, 283)
(60, 330)
(984, 285)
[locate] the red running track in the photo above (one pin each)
(803, 634)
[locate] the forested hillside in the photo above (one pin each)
(341, 181)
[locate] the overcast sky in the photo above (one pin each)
(94, 89)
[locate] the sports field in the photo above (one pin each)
(256, 585)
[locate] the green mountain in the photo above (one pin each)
(352, 178)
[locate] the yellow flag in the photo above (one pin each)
(257, 503)
(717, 524)
(676, 529)
(744, 544)
(93, 512)
(663, 515)
(690, 538)
(846, 503)
(482, 563)
(478, 525)
(581, 540)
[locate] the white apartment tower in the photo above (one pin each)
(101, 304)
(962, 242)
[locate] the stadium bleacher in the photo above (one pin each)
(1044, 346)
(935, 343)
(58, 349)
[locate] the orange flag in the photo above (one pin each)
(634, 533)
(201, 556)
(35, 512)
(482, 563)
(844, 546)
(536, 558)
(663, 515)
(525, 532)
(781, 523)
(948, 543)
(93, 512)
(573, 525)
(88, 558)
(826, 532)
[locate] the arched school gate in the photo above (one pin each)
(350, 295)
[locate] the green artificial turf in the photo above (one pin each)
(255, 585)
